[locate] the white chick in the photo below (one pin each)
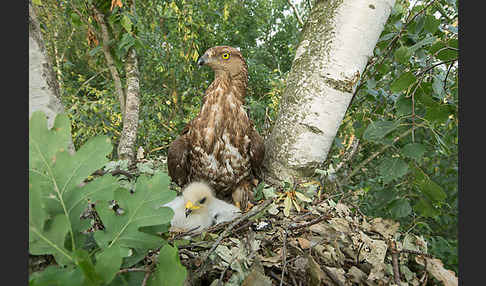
(222, 211)
(191, 210)
(198, 208)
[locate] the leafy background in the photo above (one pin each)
(396, 148)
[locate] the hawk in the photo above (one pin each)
(220, 145)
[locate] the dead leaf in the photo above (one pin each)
(257, 276)
(436, 268)
(385, 227)
(287, 205)
(316, 275)
(115, 3)
(303, 243)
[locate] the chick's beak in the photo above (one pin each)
(189, 208)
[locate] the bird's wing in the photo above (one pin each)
(257, 149)
(221, 211)
(177, 159)
(175, 203)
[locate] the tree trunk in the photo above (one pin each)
(43, 86)
(130, 120)
(336, 42)
(105, 37)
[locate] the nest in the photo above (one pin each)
(326, 245)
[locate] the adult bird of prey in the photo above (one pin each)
(220, 145)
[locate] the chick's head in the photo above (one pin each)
(197, 197)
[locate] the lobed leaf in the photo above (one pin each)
(141, 209)
(169, 271)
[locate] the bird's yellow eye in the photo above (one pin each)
(225, 56)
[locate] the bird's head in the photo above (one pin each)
(197, 197)
(224, 59)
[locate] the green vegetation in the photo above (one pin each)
(408, 91)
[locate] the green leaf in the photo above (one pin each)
(413, 150)
(392, 168)
(403, 106)
(126, 23)
(431, 24)
(169, 271)
(45, 143)
(56, 200)
(379, 129)
(437, 113)
(425, 209)
(143, 208)
(108, 263)
(402, 55)
(86, 265)
(50, 239)
(428, 187)
(402, 82)
(400, 208)
(427, 41)
(55, 275)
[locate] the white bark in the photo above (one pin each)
(43, 87)
(337, 41)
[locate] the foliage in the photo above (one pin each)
(411, 82)
(57, 202)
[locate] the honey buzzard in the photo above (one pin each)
(221, 145)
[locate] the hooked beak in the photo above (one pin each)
(202, 60)
(189, 208)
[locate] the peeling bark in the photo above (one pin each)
(337, 40)
(130, 119)
(43, 86)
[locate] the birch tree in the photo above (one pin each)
(43, 84)
(337, 40)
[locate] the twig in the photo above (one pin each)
(362, 164)
(248, 215)
(220, 281)
(417, 253)
(447, 74)
(312, 222)
(132, 270)
(296, 12)
(359, 251)
(292, 276)
(145, 279)
(394, 254)
(284, 255)
(275, 276)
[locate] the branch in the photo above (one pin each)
(105, 36)
(296, 12)
(390, 45)
(362, 164)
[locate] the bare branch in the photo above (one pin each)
(296, 12)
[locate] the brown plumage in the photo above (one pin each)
(220, 146)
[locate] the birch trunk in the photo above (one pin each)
(43, 86)
(130, 118)
(336, 42)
